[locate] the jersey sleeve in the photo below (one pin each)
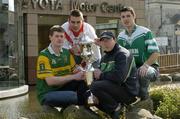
(120, 40)
(151, 43)
(72, 62)
(43, 68)
(91, 31)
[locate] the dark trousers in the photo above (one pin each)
(71, 93)
(152, 75)
(110, 95)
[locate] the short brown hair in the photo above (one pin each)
(76, 13)
(56, 28)
(130, 9)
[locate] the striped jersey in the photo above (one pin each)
(140, 43)
(50, 64)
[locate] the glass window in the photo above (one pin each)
(104, 23)
(11, 46)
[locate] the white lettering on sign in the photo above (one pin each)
(34, 2)
(44, 4)
(162, 41)
(84, 6)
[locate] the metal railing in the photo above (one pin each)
(169, 62)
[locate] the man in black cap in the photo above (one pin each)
(115, 82)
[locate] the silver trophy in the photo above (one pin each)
(87, 53)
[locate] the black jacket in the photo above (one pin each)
(115, 66)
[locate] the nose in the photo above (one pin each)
(125, 17)
(75, 24)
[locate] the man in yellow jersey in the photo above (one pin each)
(57, 83)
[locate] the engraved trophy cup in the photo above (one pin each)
(84, 44)
(86, 54)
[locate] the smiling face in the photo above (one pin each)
(127, 19)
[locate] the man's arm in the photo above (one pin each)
(154, 56)
(61, 80)
(44, 72)
(152, 48)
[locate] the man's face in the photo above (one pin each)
(127, 19)
(75, 23)
(107, 44)
(57, 39)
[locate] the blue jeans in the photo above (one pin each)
(72, 93)
(144, 82)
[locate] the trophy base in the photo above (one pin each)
(89, 77)
(92, 100)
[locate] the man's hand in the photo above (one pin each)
(76, 50)
(79, 76)
(143, 70)
(97, 73)
(77, 69)
(97, 41)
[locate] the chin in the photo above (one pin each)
(126, 25)
(76, 30)
(107, 50)
(60, 45)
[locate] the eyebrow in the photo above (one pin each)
(126, 15)
(75, 21)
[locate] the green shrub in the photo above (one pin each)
(167, 103)
(156, 96)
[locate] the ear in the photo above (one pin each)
(50, 37)
(134, 16)
(69, 19)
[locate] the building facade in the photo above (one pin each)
(39, 15)
(163, 17)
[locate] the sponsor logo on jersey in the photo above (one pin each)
(134, 51)
(53, 61)
(42, 66)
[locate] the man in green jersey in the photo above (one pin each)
(141, 43)
(57, 83)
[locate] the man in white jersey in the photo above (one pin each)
(75, 30)
(141, 43)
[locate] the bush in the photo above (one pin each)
(166, 103)
(156, 96)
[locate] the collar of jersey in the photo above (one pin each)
(52, 51)
(134, 28)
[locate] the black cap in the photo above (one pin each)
(107, 35)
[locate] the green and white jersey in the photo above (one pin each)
(140, 43)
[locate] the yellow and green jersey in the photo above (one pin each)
(49, 64)
(140, 43)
